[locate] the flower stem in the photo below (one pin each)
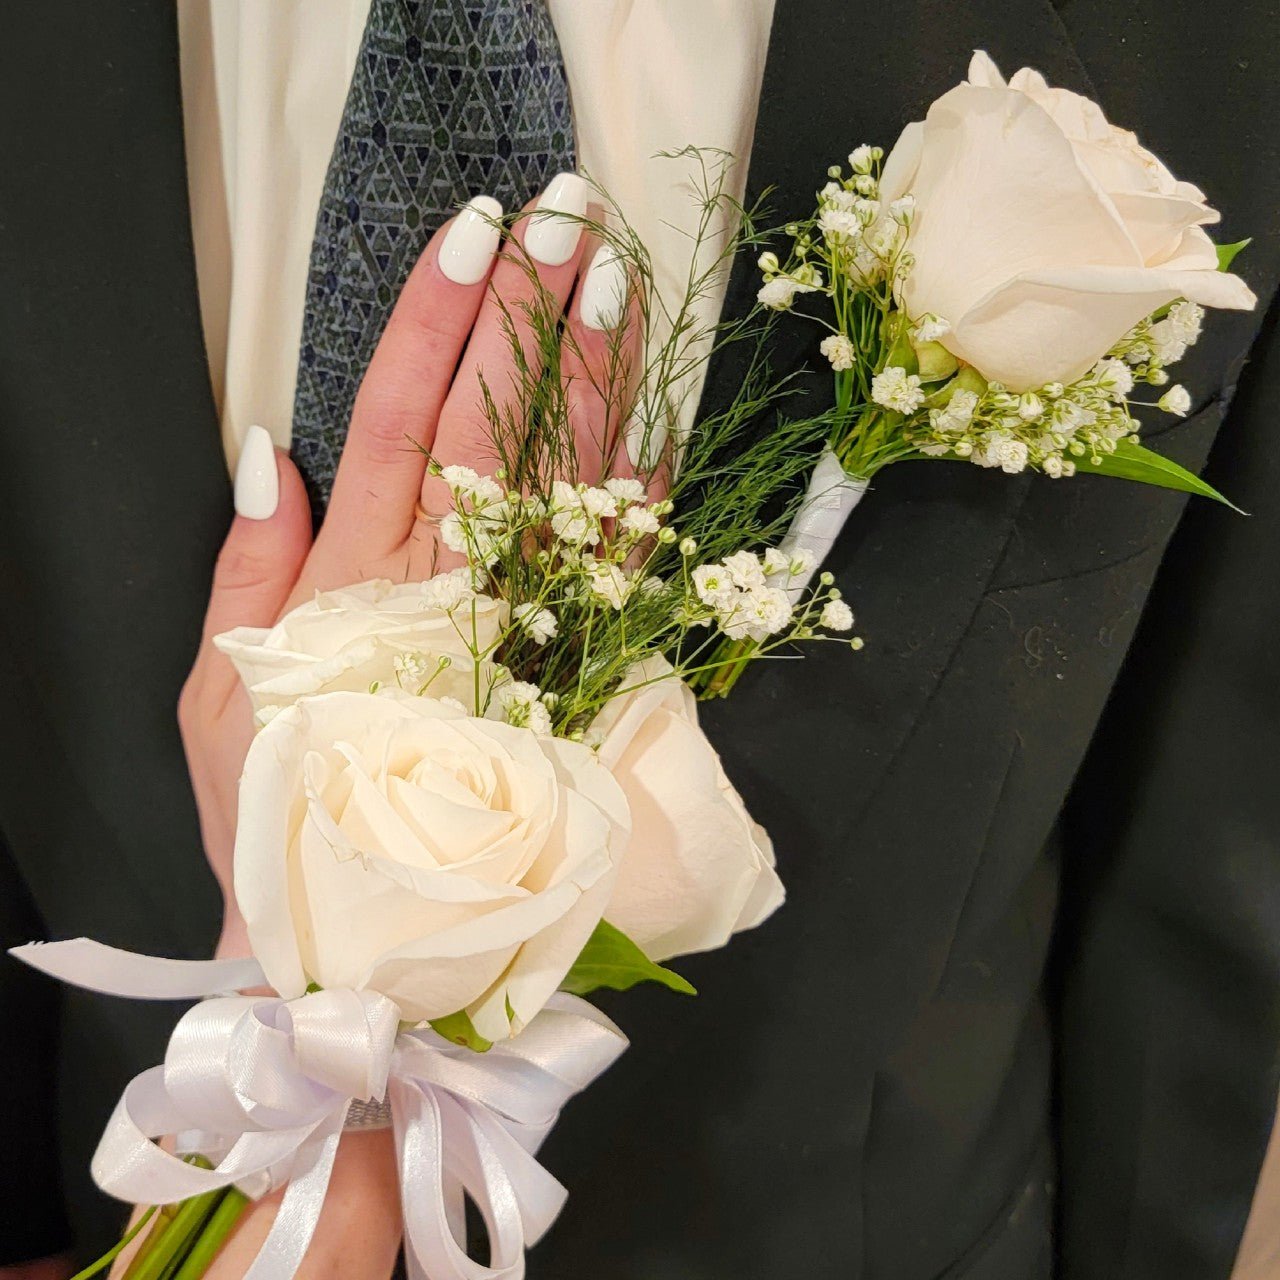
(159, 1259)
(112, 1254)
(219, 1226)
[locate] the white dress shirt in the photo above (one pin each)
(264, 83)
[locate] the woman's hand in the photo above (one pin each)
(423, 388)
(448, 333)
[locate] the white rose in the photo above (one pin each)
(394, 844)
(1043, 233)
(697, 869)
(350, 638)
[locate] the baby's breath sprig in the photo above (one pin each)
(899, 392)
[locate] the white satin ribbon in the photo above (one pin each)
(264, 1085)
(828, 502)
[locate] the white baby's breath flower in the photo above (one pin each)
(521, 704)
(777, 294)
(956, 415)
(1052, 466)
(1176, 400)
(446, 591)
(770, 610)
(639, 521)
(834, 196)
(839, 350)
(459, 478)
(776, 561)
(745, 570)
(839, 224)
(599, 503)
(713, 584)
(930, 328)
(802, 561)
(569, 519)
(538, 622)
(1009, 455)
(897, 389)
(860, 159)
(411, 670)
(451, 533)
(607, 581)
(903, 209)
(1030, 406)
(626, 490)
(1114, 377)
(1186, 319)
(836, 616)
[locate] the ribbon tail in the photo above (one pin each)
(285, 1246)
(828, 503)
(97, 967)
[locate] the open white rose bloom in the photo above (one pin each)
(1041, 232)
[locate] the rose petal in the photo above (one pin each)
(1054, 325)
(999, 193)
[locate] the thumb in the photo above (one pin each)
(265, 548)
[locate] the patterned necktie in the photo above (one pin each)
(450, 99)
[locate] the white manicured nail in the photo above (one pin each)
(551, 240)
(472, 241)
(604, 290)
(257, 488)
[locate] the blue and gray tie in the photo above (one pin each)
(450, 98)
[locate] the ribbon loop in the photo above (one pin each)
(264, 1086)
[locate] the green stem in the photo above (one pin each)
(220, 1225)
(112, 1254)
(161, 1257)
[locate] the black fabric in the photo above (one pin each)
(113, 501)
(863, 1089)
(1171, 1015)
(29, 1176)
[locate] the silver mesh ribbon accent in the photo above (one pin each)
(368, 1115)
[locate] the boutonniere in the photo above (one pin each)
(1005, 288)
(474, 801)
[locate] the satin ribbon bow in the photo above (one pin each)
(265, 1085)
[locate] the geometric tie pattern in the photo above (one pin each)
(449, 99)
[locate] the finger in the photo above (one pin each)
(531, 284)
(260, 560)
(599, 362)
(399, 402)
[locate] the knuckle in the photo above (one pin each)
(241, 568)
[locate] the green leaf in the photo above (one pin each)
(611, 959)
(1133, 462)
(1227, 253)
(457, 1029)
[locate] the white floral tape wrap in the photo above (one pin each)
(264, 1087)
(828, 503)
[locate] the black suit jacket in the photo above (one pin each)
(865, 1088)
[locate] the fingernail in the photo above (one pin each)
(604, 290)
(257, 487)
(472, 241)
(551, 240)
